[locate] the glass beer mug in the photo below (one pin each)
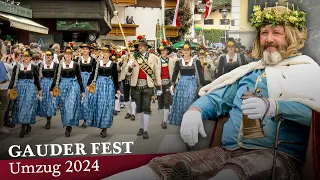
(252, 128)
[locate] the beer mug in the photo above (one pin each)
(252, 128)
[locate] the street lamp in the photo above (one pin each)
(224, 14)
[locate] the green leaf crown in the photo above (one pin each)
(271, 16)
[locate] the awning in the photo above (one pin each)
(24, 23)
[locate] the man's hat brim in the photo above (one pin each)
(165, 47)
(83, 46)
(142, 42)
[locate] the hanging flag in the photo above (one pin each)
(176, 21)
(159, 34)
(208, 9)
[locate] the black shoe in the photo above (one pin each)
(115, 113)
(164, 125)
(145, 135)
(181, 171)
(84, 124)
(68, 131)
(140, 132)
(133, 117)
(47, 126)
(28, 129)
(128, 116)
(104, 133)
(22, 131)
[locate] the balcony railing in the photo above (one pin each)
(170, 4)
(125, 2)
(172, 31)
(128, 29)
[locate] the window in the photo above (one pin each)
(262, 3)
(224, 21)
(232, 23)
(208, 22)
(229, 10)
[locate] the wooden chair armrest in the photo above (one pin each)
(217, 132)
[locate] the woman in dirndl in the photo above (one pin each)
(48, 105)
(68, 83)
(25, 80)
(102, 100)
(186, 91)
(86, 62)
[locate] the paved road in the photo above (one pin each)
(160, 140)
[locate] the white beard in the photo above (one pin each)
(272, 58)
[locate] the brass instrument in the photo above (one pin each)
(77, 53)
(252, 128)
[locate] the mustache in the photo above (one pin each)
(271, 45)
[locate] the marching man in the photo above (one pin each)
(145, 75)
(167, 65)
(125, 78)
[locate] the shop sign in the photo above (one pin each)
(78, 25)
(15, 10)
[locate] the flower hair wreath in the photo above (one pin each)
(294, 18)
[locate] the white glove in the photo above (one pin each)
(171, 90)
(255, 108)
(190, 127)
(159, 92)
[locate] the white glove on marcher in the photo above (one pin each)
(171, 90)
(159, 92)
(190, 127)
(255, 108)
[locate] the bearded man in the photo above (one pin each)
(286, 85)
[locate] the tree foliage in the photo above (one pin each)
(185, 17)
(213, 35)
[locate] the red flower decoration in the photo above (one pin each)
(93, 45)
(113, 52)
(124, 51)
(151, 51)
(163, 42)
(71, 44)
(130, 43)
(119, 55)
(139, 37)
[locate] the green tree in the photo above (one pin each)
(213, 35)
(185, 17)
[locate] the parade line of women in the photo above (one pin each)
(40, 89)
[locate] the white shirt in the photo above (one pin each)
(45, 65)
(107, 65)
(28, 67)
(189, 64)
(234, 59)
(65, 66)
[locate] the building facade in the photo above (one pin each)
(72, 20)
(241, 11)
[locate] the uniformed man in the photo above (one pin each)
(167, 66)
(208, 67)
(125, 78)
(145, 76)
